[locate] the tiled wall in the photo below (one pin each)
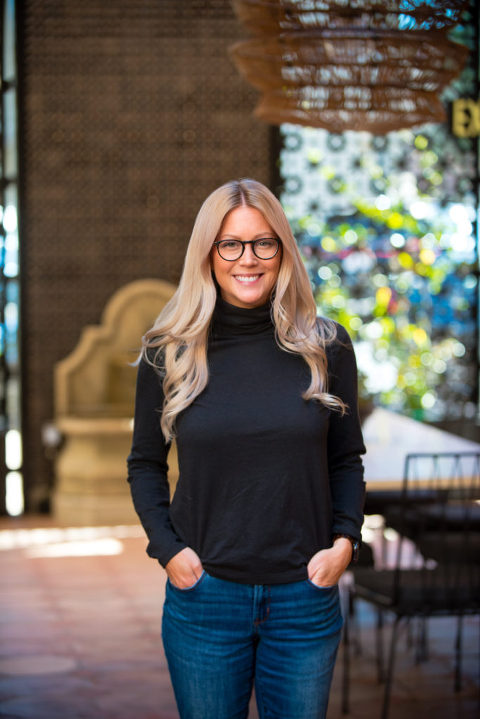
(132, 113)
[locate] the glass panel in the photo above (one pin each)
(11, 333)
(9, 63)
(10, 244)
(13, 449)
(14, 494)
(10, 390)
(10, 195)
(13, 402)
(10, 133)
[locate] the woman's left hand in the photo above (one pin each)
(327, 566)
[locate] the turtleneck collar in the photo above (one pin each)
(229, 320)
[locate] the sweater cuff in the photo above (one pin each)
(166, 552)
(345, 528)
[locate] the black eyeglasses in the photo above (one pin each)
(265, 248)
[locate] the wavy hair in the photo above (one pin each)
(176, 345)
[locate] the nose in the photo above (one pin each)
(248, 257)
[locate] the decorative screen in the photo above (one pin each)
(386, 227)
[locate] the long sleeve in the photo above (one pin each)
(148, 468)
(345, 442)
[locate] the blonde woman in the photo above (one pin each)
(261, 397)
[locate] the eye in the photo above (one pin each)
(266, 242)
(229, 244)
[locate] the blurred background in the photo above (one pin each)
(117, 120)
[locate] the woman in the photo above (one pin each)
(261, 397)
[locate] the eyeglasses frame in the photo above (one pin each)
(249, 242)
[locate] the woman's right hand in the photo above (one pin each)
(184, 568)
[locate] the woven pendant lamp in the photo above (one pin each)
(350, 65)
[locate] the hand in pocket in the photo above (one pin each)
(184, 569)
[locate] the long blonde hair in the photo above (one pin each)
(179, 336)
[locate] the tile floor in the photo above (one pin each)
(80, 636)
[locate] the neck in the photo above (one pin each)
(232, 320)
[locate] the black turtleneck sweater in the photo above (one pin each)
(266, 477)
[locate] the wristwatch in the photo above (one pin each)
(355, 545)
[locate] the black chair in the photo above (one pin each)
(389, 504)
(437, 567)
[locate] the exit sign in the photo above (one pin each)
(466, 118)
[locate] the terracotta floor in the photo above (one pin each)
(80, 636)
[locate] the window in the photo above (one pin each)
(10, 381)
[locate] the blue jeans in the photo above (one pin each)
(222, 637)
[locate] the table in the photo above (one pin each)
(389, 437)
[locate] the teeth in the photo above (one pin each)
(247, 278)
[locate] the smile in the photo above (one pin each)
(247, 278)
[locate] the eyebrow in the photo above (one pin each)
(258, 236)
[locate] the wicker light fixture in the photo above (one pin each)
(354, 65)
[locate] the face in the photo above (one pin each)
(248, 281)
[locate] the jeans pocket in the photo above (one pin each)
(321, 587)
(191, 587)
